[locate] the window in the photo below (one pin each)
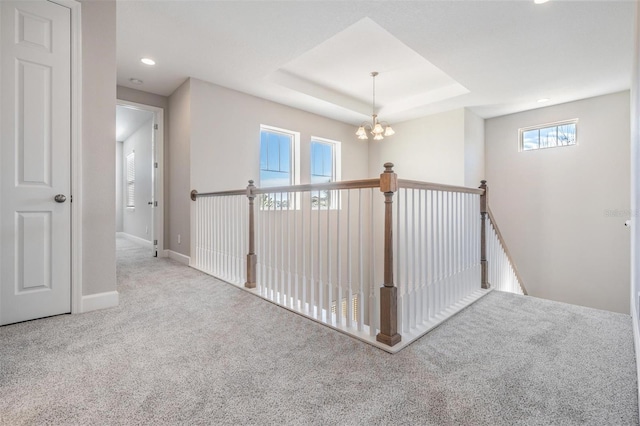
(549, 135)
(278, 162)
(277, 148)
(131, 179)
(325, 159)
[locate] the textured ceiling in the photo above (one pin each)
(494, 57)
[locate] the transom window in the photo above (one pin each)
(562, 133)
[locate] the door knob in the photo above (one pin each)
(60, 198)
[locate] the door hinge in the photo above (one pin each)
(155, 127)
(156, 165)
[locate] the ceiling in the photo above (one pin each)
(128, 120)
(494, 57)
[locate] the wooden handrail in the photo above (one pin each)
(330, 186)
(506, 250)
(195, 194)
(346, 184)
(415, 184)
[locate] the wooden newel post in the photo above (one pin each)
(252, 259)
(484, 198)
(388, 292)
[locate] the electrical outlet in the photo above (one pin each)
(178, 238)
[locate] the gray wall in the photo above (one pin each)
(136, 221)
(98, 155)
(562, 210)
(179, 170)
(151, 99)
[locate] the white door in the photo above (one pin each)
(35, 121)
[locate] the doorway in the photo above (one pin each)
(139, 183)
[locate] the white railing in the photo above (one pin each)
(315, 250)
(220, 236)
(437, 252)
(502, 272)
(384, 260)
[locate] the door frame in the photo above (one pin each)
(158, 180)
(76, 152)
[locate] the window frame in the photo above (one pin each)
(294, 164)
(336, 165)
(556, 124)
(294, 160)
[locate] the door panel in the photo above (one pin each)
(35, 126)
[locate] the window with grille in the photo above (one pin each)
(278, 163)
(131, 179)
(562, 133)
(325, 158)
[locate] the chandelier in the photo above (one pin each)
(379, 129)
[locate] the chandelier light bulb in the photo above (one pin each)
(378, 129)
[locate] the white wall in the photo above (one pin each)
(442, 148)
(119, 186)
(225, 137)
(552, 205)
(473, 149)
(98, 155)
(430, 149)
(179, 170)
(136, 221)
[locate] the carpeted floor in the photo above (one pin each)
(184, 348)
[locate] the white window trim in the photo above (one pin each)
(522, 130)
(337, 156)
(336, 203)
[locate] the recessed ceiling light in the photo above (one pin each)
(540, 1)
(543, 100)
(136, 81)
(148, 61)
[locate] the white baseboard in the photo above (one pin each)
(177, 256)
(636, 340)
(94, 302)
(135, 239)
